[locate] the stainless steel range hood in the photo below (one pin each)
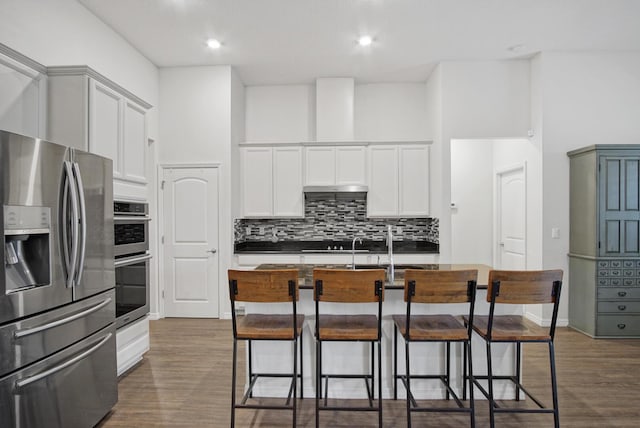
(336, 192)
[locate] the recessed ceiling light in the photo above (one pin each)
(365, 40)
(213, 44)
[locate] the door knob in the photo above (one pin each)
(212, 251)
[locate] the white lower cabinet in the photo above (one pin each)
(271, 181)
(132, 341)
(398, 181)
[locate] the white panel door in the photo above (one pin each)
(320, 166)
(511, 219)
(190, 213)
(257, 181)
(287, 182)
(104, 124)
(351, 164)
(414, 180)
(135, 142)
(382, 198)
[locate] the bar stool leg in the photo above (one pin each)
(301, 369)
(408, 382)
(250, 367)
(379, 384)
(448, 347)
(395, 362)
(295, 379)
(554, 386)
(464, 371)
(518, 359)
(233, 384)
(467, 349)
(318, 380)
(373, 377)
(492, 422)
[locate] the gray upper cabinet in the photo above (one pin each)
(619, 201)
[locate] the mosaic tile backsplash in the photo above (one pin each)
(335, 219)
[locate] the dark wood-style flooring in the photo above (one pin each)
(185, 379)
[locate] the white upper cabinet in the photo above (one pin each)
(398, 181)
(90, 112)
(335, 165)
(23, 91)
(271, 181)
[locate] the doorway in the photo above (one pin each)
(190, 241)
(511, 218)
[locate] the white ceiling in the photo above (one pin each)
(296, 41)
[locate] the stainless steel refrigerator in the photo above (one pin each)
(57, 301)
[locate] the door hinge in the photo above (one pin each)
(162, 185)
(598, 244)
(163, 294)
(162, 240)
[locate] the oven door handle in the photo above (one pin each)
(132, 260)
(29, 331)
(120, 219)
(27, 381)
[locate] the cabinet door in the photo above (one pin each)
(351, 165)
(257, 190)
(135, 141)
(414, 180)
(21, 98)
(287, 182)
(619, 205)
(382, 198)
(105, 117)
(320, 166)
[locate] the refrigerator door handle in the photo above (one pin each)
(74, 225)
(29, 331)
(66, 262)
(83, 222)
(31, 379)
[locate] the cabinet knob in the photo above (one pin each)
(622, 307)
(621, 326)
(622, 293)
(212, 251)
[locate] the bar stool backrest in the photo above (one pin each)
(433, 286)
(348, 286)
(524, 287)
(263, 286)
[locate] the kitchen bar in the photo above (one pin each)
(348, 357)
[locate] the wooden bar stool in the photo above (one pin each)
(266, 286)
(432, 287)
(348, 286)
(518, 287)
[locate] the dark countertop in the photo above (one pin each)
(306, 272)
(320, 247)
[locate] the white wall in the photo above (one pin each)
(63, 32)
(480, 100)
(280, 113)
(238, 121)
(587, 98)
(472, 192)
(196, 128)
(390, 112)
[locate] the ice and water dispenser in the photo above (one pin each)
(27, 243)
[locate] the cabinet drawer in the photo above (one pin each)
(618, 293)
(618, 325)
(619, 307)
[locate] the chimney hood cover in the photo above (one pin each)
(341, 191)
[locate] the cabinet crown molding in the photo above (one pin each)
(80, 70)
(331, 143)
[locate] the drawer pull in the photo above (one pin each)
(621, 326)
(622, 307)
(622, 293)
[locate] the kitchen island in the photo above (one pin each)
(354, 357)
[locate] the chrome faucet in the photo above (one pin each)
(391, 271)
(353, 251)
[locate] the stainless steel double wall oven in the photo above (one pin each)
(131, 239)
(57, 299)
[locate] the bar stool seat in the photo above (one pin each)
(509, 328)
(349, 327)
(432, 327)
(267, 326)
